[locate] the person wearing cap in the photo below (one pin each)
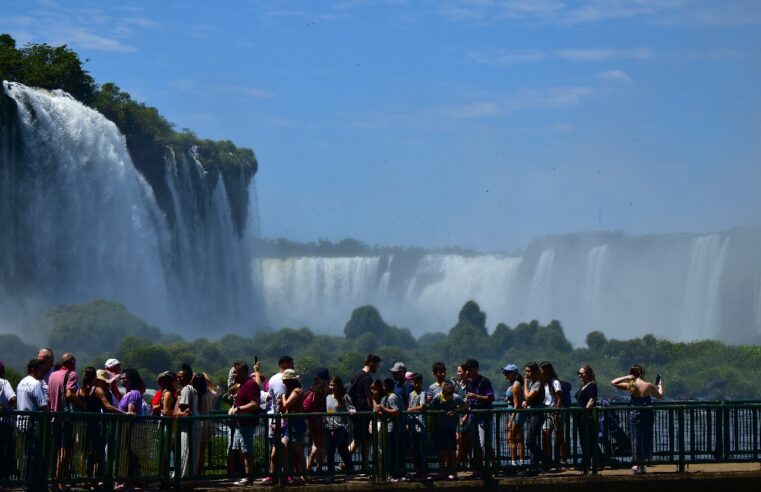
(514, 399)
(362, 397)
(402, 387)
(295, 427)
(276, 391)
(314, 401)
(114, 368)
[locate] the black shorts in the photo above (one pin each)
(360, 425)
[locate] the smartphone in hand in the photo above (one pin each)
(657, 379)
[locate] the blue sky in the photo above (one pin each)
(478, 123)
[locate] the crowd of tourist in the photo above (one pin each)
(343, 424)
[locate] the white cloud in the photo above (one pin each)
(473, 110)
(84, 39)
(507, 57)
(602, 54)
(657, 12)
(615, 76)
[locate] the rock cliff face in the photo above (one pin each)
(85, 215)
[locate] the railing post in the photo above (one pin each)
(680, 439)
(591, 436)
(177, 454)
(488, 452)
(278, 444)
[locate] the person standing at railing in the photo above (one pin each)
(276, 391)
(479, 394)
(294, 428)
(553, 423)
(418, 431)
(533, 392)
(587, 425)
(190, 430)
(450, 404)
(30, 397)
(95, 401)
(7, 435)
(206, 399)
(361, 395)
(314, 402)
(641, 418)
(337, 427)
(390, 406)
(463, 422)
(514, 398)
(246, 403)
(63, 387)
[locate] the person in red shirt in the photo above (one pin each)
(246, 403)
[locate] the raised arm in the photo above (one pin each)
(623, 382)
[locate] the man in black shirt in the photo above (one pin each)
(360, 395)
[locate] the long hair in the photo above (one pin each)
(549, 371)
(589, 372)
(88, 376)
(536, 371)
(199, 383)
(340, 391)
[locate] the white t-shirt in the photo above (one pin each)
(550, 394)
(6, 393)
(189, 397)
(277, 389)
(30, 395)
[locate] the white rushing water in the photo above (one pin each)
(592, 295)
(80, 223)
(708, 255)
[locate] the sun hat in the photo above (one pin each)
(510, 368)
(290, 374)
(102, 374)
(399, 367)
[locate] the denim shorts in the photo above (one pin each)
(243, 439)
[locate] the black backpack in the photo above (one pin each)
(565, 386)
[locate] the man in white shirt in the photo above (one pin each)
(188, 403)
(30, 395)
(7, 395)
(277, 390)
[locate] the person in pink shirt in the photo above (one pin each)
(114, 368)
(62, 389)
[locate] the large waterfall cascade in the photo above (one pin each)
(80, 223)
(675, 286)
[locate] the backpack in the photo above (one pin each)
(565, 386)
(312, 403)
(66, 405)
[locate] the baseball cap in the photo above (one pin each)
(510, 368)
(111, 363)
(399, 367)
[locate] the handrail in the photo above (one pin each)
(114, 448)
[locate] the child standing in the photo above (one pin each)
(417, 422)
(448, 403)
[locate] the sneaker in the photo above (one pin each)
(243, 481)
(268, 481)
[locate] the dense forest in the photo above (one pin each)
(149, 135)
(104, 329)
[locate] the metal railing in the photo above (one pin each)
(39, 449)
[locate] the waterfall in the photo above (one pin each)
(319, 292)
(81, 223)
(707, 257)
(591, 296)
(539, 305)
(455, 279)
